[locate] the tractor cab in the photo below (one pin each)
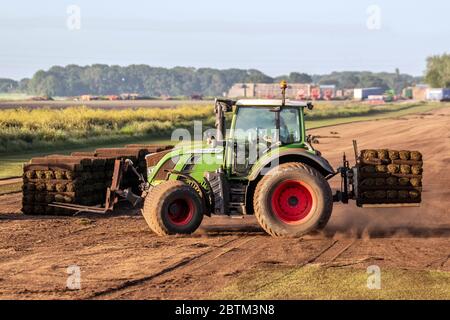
(258, 128)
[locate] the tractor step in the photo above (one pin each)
(236, 208)
(237, 199)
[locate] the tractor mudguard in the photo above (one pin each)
(294, 155)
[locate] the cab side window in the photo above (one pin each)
(249, 120)
(289, 126)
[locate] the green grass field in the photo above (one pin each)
(319, 282)
(28, 133)
(43, 128)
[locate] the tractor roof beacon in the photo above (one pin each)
(265, 165)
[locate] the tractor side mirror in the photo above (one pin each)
(310, 106)
(275, 109)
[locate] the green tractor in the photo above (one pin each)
(263, 165)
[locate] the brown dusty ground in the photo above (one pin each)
(120, 258)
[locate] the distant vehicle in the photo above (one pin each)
(88, 97)
(407, 93)
(389, 96)
(364, 93)
(41, 98)
(129, 96)
(441, 94)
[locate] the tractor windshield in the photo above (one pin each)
(260, 122)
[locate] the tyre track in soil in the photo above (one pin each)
(10, 203)
(52, 274)
(331, 256)
(439, 263)
(223, 248)
(310, 260)
(422, 258)
(202, 277)
(199, 279)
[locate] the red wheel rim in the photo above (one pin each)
(180, 211)
(292, 201)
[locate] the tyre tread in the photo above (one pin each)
(286, 167)
(153, 203)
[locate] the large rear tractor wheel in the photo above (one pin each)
(292, 200)
(173, 207)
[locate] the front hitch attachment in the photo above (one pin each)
(345, 194)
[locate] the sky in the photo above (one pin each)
(276, 37)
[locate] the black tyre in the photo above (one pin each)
(173, 207)
(292, 200)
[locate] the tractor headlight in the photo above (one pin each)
(150, 170)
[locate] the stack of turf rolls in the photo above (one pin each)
(64, 179)
(81, 178)
(389, 176)
(134, 152)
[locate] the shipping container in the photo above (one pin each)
(315, 93)
(327, 92)
(408, 93)
(441, 94)
(364, 93)
(420, 92)
(446, 94)
(435, 94)
(301, 91)
(349, 93)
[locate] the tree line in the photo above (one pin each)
(438, 71)
(101, 79)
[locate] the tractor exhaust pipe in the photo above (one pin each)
(220, 107)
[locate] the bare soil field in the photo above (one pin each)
(102, 104)
(120, 258)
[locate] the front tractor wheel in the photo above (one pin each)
(173, 207)
(292, 200)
